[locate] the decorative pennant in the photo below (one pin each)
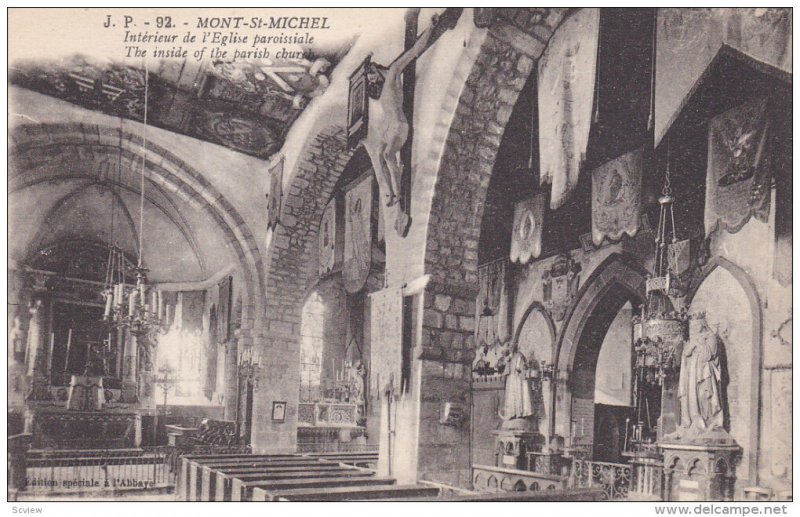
(327, 239)
(738, 177)
(566, 97)
(617, 198)
(224, 313)
(357, 234)
(275, 196)
(386, 339)
(526, 237)
(491, 279)
(688, 40)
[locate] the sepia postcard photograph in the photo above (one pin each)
(410, 254)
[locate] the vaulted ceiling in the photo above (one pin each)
(76, 175)
(246, 106)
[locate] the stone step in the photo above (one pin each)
(358, 493)
(243, 491)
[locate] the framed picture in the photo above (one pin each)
(278, 411)
(358, 106)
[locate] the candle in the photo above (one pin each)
(168, 313)
(154, 302)
(132, 302)
(69, 344)
(160, 305)
(109, 301)
(142, 297)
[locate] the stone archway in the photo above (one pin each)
(291, 270)
(475, 112)
(745, 282)
(618, 275)
(37, 146)
(40, 149)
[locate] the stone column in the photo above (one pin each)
(37, 351)
(231, 392)
(444, 360)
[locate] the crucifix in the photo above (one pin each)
(392, 89)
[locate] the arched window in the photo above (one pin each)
(311, 343)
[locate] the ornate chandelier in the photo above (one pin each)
(126, 306)
(659, 330)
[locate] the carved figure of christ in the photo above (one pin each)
(388, 125)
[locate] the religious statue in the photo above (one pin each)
(361, 376)
(388, 125)
(16, 339)
(700, 383)
(518, 402)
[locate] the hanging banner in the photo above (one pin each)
(566, 97)
(491, 281)
(275, 196)
(327, 239)
(617, 198)
(386, 339)
(526, 237)
(357, 234)
(687, 40)
(224, 313)
(738, 176)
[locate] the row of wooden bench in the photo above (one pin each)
(274, 477)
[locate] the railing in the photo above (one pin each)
(98, 470)
(486, 478)
(66, 471)
(613, 478)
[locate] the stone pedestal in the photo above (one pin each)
(700, 468)
(513, 442)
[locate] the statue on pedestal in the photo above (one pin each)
(700, 383)
(518, 401)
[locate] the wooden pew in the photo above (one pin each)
(358, 493)
(577, 494)
(217, 483)
(188, 474)
(202, 475)
(243, 490)
(358, 460)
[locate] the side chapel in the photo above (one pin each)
(492, 251)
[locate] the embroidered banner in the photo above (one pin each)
(738, 177)
(491, 281)
(526, 237)
(386, 339)
(357, 234)
(566, 97)
(275, 196)
(687, 40)
(617, 198)
(327, 239)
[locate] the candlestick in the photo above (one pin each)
(154, 302)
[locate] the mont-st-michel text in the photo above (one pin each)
(221, 32)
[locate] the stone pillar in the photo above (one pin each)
(231, 392)
(444, 357)
(37, 351)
